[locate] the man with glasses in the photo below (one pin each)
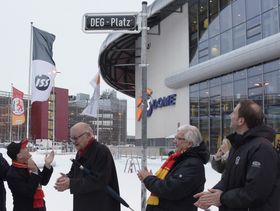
(88, 186)
(181, 175)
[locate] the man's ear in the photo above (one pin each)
(241, 121)
(189, 144)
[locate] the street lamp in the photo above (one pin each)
(262, 85)
(120, 129)
(54, 71)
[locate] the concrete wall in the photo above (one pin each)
(169, 51)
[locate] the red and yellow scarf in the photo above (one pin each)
(38, 197)
(161, 174)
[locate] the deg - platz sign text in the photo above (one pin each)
(110, 22)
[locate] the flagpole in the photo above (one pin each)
(97, 129)
(29, 80)
(54, 99)
(18, 132)
(10, 113)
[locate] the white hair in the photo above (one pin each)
(191, 134)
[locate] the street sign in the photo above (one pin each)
(110, 22)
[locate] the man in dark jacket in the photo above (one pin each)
(4, 167)
(25, 179)
(88, 187)
(181, 176)
(251, 178)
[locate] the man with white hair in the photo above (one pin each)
(181, 175)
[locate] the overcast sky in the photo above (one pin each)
(75, 53)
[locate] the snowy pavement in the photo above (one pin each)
(130, 187)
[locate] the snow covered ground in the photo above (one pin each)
(130, 187)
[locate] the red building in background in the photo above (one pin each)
(51, 114)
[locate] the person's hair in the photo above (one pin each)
(191, 134)
(251, 112)
(84, 127)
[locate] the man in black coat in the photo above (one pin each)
(251, 178)
(88, 187)
(4, 167)
(25, 180)
(181, 176)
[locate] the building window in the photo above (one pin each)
(203, 51)
(253, 8)
(254, 30)
(225, 15)
(238, 12)
(239, 36)
(214, 46)
(235, 22)
(214, 24)
(203, 20)
(268, 4)
(226, 42)
(270, 22)
(212, 101)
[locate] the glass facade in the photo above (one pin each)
(219, 26)
(212, 101)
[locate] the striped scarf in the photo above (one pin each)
(161, 174)
(38, 201)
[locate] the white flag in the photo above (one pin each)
(43, 66)
(91, 109)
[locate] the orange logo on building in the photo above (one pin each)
(139, 101)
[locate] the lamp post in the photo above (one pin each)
(54, 102)
(262, 85)
(120, 130)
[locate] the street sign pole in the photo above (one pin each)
(143, 66)
(127, 23)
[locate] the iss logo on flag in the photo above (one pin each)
(42, 82)
(17, 106)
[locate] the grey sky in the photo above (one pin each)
(75, 53)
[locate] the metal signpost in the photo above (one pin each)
(143, 66)
(127, 23)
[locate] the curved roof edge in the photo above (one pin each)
(117, 53)
(255, 53)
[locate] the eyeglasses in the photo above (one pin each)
(75, 138)
(179, 138)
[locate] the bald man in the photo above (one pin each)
(88, 189)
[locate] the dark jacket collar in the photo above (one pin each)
(200, 152)
(259, 131)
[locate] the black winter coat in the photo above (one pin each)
(186, 178)
(89, 194)
(23, 186)
(4, 167)
(251, 178)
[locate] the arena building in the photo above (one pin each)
(204, 56)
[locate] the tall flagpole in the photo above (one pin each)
(10, 113)
(29, 80)
(97, 127)
(54, 107)
(54, 110)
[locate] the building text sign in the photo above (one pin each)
(104, 22)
